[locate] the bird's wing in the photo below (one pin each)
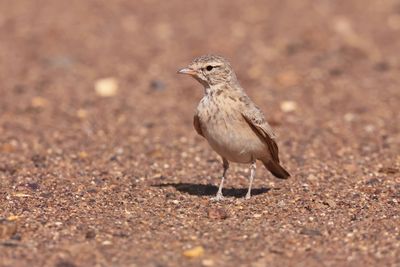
(197, 125)
(256, 120)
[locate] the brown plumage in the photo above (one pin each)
(232, 124)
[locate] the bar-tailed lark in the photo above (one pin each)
(232, 124)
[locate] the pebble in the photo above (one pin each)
(288, 78)
(83, 155)
(12, 218)
(207, 262)
(369, 128)
(157, 85)
(194, 252)
(7, 228)
(310, 232)
(288, 106)
(217, 213)
(312, 177)
(81, 113)
(90, 234)
(106, 87)
(343, 26)
(281, 204)
(330, 203)
(349, 117)
(20, 195)
(7, 148)
(39, 102)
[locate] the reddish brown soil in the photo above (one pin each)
(125, 180)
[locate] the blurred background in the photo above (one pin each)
(316, 53)
(91, 108)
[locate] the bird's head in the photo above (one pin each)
(210, 70)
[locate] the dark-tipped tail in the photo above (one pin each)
(277, 170)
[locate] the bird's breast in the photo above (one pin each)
(227, 132)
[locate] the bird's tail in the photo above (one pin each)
(276, 169)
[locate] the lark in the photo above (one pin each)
(232, 124)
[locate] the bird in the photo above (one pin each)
(229, 120)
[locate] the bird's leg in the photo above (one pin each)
(219, 195)
(253, 167)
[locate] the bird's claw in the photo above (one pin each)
(218, 197)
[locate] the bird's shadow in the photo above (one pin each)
(211, 190)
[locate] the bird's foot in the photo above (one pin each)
(218, 197)
(248, 195)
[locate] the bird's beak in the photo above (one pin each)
(188, 71)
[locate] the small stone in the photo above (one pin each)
(64, 263)
(10, 243)
(281, 204)
(169, 195)
(349, 117)
(81, 113)
(389, 170)
(288, 106)
(288, 78)
(16, 237)
(369, 128)
(310, 232)
(12, 218)
(194, 252)
(39, 102)
(83, 155)
(382, 66)
(7, 228)
(21, 195)
(90, 234)
(155, 153)
(39, 161)
(330, 203)
(335, 72)
(217, 213)
(372, 181)
(7, 148)
(312, 177)
(343, 26)
(157, 85)
(106, 87)
(350, 168)
(33, 186)
(207, 262)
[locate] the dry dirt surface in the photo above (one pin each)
(100, 164)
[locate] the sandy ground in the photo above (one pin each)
(124, 180)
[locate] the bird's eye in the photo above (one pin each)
(209, 68)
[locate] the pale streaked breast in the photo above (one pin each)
(227, 132)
